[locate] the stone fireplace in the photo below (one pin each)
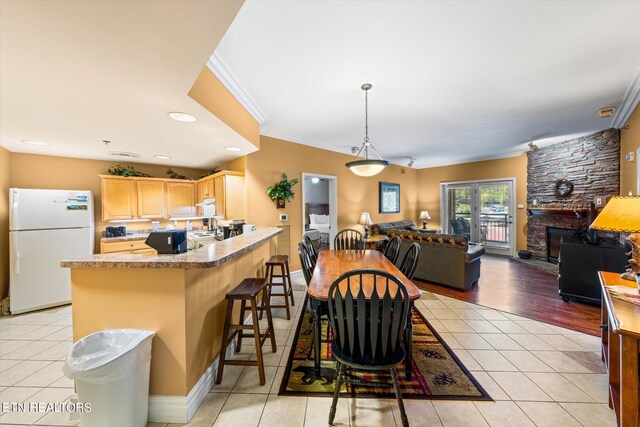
(591, 164)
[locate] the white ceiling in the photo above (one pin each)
(74, 73)
(452, 81)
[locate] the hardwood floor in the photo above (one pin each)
(522, 290)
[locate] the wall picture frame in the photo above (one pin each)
(389, 197)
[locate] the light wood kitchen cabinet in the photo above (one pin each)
(229, 193)
(119, 200)
(151, 198)
(130, 198)
(126, 247)
(205, 191)
(181, 199)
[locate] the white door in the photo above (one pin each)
(483, 211)
(44, 209)
(36, 278)
(496, 216)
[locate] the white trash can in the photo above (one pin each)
(111, 371)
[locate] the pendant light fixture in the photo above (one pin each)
(367, 167)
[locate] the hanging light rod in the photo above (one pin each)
(367, 167)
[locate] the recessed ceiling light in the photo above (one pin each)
(182, 117)
(162, 157)
(32, 142)
(124, 154)
(315, 180)
(235, 149)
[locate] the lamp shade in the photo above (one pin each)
(367, 167)
(424, 215)
(365, 219)
(621, 214)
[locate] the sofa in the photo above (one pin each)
(445, 259)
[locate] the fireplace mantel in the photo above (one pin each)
(579, 213)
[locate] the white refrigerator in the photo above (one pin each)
(45, 227)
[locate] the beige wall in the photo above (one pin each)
(209, 92)
(355, 194)
(514, 167)
(49, 172)
(420, 189)
(630, 141)
(5, 184)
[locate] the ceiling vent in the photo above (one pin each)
(606, 112)
(124, 154)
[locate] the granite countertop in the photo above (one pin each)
(208, 256)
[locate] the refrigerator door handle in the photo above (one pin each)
(14, 210)
(16, 256)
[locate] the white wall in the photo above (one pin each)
(316, 193)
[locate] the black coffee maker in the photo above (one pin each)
(233, 229)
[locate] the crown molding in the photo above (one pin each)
(629, 103)
(272, 133)
(222, 71)
(498, 156)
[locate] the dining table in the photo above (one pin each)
(330, 265)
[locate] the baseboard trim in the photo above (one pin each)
(180, 409)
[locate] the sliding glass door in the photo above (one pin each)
(483, 211)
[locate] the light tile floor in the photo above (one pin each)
(538, 375)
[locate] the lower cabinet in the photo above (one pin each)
(126, 247)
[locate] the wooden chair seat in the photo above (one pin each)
(278, 259)
(247, 289)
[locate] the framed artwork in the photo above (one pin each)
(389, 197)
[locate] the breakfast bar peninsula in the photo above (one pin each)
(181, 297)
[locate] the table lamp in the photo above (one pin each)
(424, 216)
(365, 222)
(622, 215)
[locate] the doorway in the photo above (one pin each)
(320, 209)
(483, 211)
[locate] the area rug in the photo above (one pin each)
(436, 372)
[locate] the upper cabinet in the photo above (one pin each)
(157, 198)
(181, 199)
(119, 201)
(205, 189)
(229, 190)
(151, 198)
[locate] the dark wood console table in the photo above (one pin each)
(620, 339)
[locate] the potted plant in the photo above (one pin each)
(282, 192)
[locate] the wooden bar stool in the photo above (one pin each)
(282, 262)
(247, 291)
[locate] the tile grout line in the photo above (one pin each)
(219, 412)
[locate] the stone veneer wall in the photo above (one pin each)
(592, 163)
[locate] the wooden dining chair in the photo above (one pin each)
(348, 239)
(392, 250)
(306, 261)
(368, 329)
(410, 261)
(307, 271)
(313, 252)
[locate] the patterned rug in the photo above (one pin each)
(436, 372)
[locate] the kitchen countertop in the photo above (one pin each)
(210, 255)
